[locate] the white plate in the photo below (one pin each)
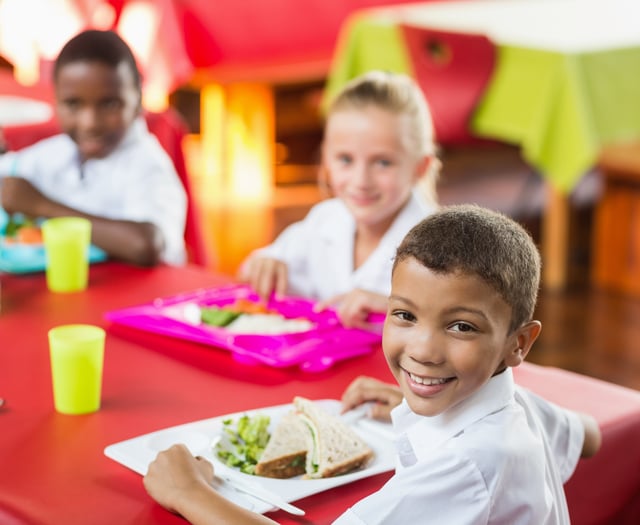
(138, 452)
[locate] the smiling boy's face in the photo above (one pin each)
(96, 104)
(446, 335)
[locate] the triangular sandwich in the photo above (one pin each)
(333, 448)
(285, 453)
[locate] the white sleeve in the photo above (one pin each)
(8, 164)
(27, 162)
(156, 195)
(293, 247)
(563, 429)
(289, 245)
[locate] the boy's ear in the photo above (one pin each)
(525, 336)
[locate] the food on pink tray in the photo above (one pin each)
(224, 315)
(268, 324)
(251, 317)
(239, 318)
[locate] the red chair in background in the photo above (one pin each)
(170, 129)
(452, 70)
(18, 137)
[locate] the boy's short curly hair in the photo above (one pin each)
(475, 241)
(94, 45)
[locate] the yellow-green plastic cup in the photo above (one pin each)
(66, 243)
(77, 358)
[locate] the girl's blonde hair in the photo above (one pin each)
(400, 95)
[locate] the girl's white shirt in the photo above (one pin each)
(136, 182)
(319, 250)
(499, 457)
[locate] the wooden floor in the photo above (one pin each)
(593, 332)
(586, 330)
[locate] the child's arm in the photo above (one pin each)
(561, 423)
(354, 307)
(363, 389)
(182, 484)
(592, 435)
(138, 243)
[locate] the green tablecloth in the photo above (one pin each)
(560, 108)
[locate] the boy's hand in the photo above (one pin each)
(354, 307)
(265, 275)
(20, 196)
(175, 476)
(386, 397)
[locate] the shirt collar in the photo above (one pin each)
(136, 131)
(424, 434)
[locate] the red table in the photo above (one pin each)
(52, 466)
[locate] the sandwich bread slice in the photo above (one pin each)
(311, 441)
(286, 451)
(333, 448)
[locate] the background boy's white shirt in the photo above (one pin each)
(136, 182)
(318, 250)
(500, 457)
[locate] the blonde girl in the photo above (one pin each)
(379, 165)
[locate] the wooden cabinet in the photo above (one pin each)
(616, 231)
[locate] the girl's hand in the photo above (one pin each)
(354, 307)
(363, 389)
(265, 275)
(175, 476)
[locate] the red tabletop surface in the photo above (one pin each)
(52, 466)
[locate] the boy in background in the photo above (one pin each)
(105, 166)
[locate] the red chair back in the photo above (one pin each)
(170, 129)
(452, 70)
(18, 137)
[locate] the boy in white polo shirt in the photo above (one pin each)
(472, 447)
(106, 166)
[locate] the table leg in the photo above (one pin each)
(555, 240)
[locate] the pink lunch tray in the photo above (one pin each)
(312, 350)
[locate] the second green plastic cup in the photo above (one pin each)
(66, 244)
(77, 357)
